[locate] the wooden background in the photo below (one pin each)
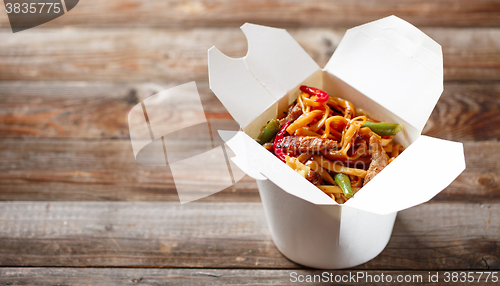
(77, 209)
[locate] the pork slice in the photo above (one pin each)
(379, 159)
(314, 177)
(304, 144)
(293, 113)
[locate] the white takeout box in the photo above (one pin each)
(387, 67)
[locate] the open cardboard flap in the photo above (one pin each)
(424, 169)
(390, 62)
(252, 87)
(394, 64)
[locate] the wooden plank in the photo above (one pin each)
(158, 276)
(91, 170)
(285, 13)
(139, 55)
(466, 111)
(436, 236)
(83, 110)
(90, 110)
(480, 180)
(61, 170)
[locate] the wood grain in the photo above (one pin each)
(227, 235)
(91, 170)
(466, 111)
(283, 13)
(92, 110)
(66, 88)
(158, 276)
(85, 110)
(145, 55)
(60, 170)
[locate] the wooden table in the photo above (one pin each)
(77, 209)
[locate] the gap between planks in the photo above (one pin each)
(285, 13)
(82, 170)
(136, 55)
(88, 110)
(227, 235)
(133, 276)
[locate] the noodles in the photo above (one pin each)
(324, 174)
(303, 120)
(338, 168)
(338, 121)
(306, 132)
(324, 136)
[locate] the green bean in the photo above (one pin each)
(344, 183)
(269, 131)
(383, 128)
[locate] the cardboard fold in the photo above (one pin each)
(235, 141)
(393, 63)
(387, 67)
(388, 64)
(424, 169)
(264, 162)
(239, 91)
(276, 59)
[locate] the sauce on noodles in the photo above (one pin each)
(332, 144)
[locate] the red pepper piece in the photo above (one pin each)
(280, 154)
(322, 95)
(279, 137)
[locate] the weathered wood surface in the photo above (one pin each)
(89, 110)
(51, 169)
(139, 55)
(81, 110)
(182, 277)
(284, 13)
(90, 170)
(227, 235)
(466, 112)
(64, 98)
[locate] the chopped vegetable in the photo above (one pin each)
(334, 189)
(321, 138)
(383, 128)
(322, 96)
(269, 131)
(277, 140)
(345, 184)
